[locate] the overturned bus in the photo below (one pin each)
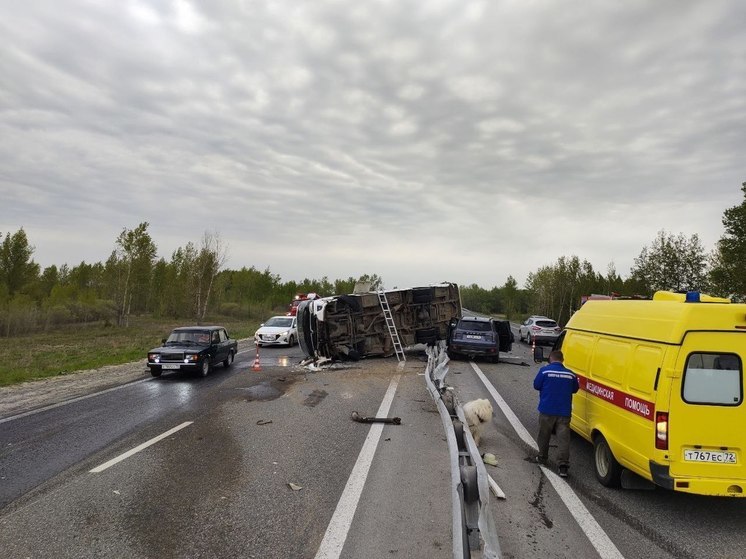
(354, 326)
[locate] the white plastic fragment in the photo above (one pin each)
(495, 488)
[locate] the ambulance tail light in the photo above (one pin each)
(661, 430)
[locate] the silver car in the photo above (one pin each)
(539, 329)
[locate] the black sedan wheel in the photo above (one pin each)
(228, 360)
(205, 367)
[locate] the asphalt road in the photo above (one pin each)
(269, 464)
(640, 523)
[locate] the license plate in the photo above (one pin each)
(714, 456)
(170, 366)
(473, 337)
(269, 338)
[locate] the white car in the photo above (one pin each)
(539, 329)
(278, 330)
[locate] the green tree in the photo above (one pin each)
(727, 275)
(347, 286)
(210, 260)
(129, 268)
(18, 275)
(672, 262)
(49, 278)
(510, 296)
(17, 270)
(555, 290)
(474, 298)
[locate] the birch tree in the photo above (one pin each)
(135, 252)
(211, 258)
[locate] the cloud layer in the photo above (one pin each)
(421, 141)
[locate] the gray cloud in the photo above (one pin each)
(460, 141)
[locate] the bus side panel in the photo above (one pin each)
(603, 386)
(640, 398)
(578, 348)
(621, 399)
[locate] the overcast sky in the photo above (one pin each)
(423, 141)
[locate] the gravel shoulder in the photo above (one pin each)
(36, 394)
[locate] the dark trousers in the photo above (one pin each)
(561, 426)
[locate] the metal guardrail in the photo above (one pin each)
(473, 525)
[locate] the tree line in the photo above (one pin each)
(134, 281)
(193, 282)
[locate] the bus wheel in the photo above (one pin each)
(608, 470)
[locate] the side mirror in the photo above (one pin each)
(539, 355)
(163, 340)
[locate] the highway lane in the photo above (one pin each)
(55, 439)
(219, 487)
(641, 523)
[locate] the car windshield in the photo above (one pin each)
(279, 322)
(474, 326)
(199, 337)
(546, 323)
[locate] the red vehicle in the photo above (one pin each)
(293, 308)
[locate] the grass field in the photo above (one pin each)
(81, 347)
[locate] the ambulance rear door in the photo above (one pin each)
(707, 414)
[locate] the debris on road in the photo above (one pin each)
(363, 419)
(295, 486)
(495, 488)
(489, 458)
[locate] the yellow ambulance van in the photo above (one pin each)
(661, 389)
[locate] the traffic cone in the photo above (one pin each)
(256, 366)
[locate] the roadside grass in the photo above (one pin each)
(79, 347)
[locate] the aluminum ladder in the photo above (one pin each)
(400, 357)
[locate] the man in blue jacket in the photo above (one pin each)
(556, 385)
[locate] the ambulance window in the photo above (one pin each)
(712, 378)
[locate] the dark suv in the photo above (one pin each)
(193, 348)
(476, 336)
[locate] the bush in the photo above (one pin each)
(231, 309)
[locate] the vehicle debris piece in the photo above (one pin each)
(363, 419)
(264, 422)
(495, 488)
(295, 486)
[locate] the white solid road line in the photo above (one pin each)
(505, 408)
(336, 533)
(596, 535)
(137, 449)
(585, 520)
